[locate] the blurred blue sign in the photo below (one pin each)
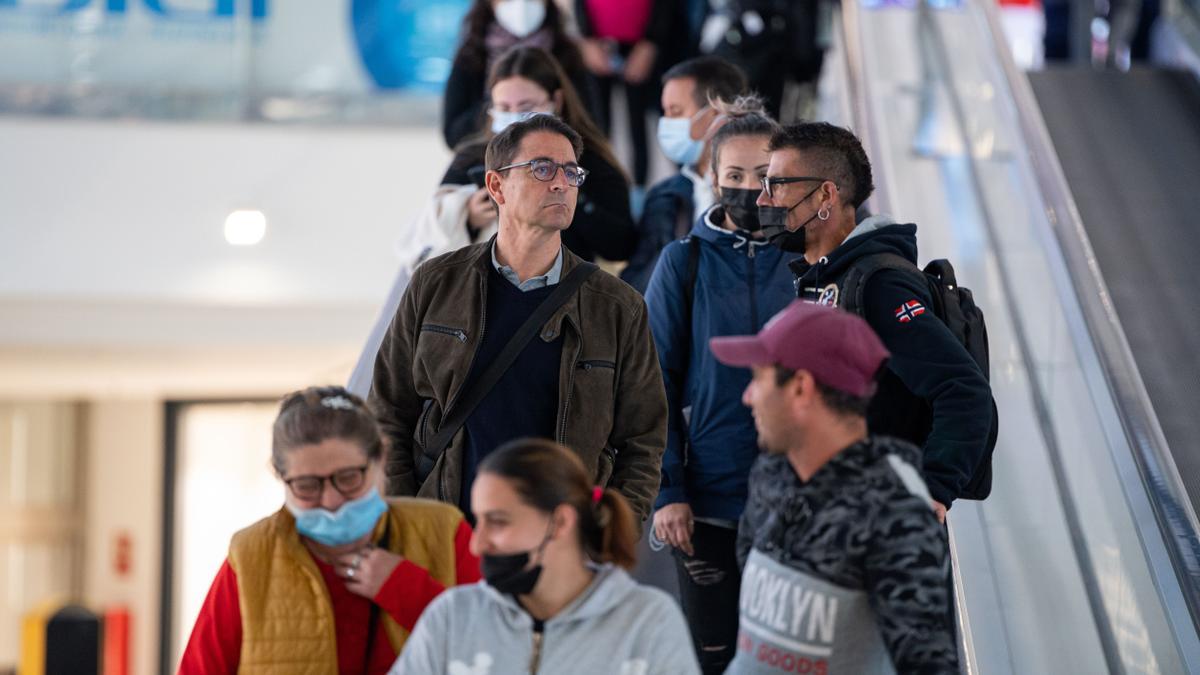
(268, 47)
(216, 9)
(408, 43)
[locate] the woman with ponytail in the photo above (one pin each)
(556, 596)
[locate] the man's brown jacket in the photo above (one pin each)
(612, 407)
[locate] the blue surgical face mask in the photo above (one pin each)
(352, 521)
(675, 139)
(501, 119)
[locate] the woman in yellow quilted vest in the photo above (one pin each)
(335, 580)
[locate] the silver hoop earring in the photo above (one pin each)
(823, 214)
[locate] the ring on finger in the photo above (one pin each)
(357, 561)
(350, 573)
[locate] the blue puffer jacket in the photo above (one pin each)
(740, 284)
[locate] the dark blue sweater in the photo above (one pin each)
(739, 286)
(525, 400)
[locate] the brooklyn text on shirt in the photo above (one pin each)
(780, 610)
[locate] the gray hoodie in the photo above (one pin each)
(616, 626)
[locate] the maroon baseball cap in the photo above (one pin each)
(838, 348)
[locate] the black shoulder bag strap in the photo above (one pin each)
(468, 400)
(689, 296)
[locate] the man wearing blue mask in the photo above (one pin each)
(672, 205)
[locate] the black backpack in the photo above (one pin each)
(956, 308)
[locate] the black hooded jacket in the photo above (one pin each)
(933, 393)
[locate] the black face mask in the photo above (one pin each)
(507, 573)
(740, 207)
(774, 225)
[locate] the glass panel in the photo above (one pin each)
(224, 483)
(1063, 521)
(224, 59)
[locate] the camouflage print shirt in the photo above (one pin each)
(847, 572)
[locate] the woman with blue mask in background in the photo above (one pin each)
(490, 28)
(556, 596)
(528, 81)
(689, 94)
(336, 579)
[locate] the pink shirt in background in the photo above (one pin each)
(621, 20)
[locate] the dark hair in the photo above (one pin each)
(745, 116)
(716, 79)
(842, 403)
(831, 152)
(503, 146)
(546, 475)
(540, 67)
(472, 51)
(317, 414)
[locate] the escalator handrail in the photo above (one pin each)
(940, 68)
(857, 84)
(1172, 509)
(1184, 15)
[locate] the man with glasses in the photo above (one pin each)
(933, 393)
(587, 378)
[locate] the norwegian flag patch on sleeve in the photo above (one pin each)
(909, 311)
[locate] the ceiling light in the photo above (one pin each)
(245, 227)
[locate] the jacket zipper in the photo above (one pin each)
(817, 279)
(425, 427)
(588, 365)
(450, 406)
(444, 330)
(753, 293)
(536, 660)
(562, 425)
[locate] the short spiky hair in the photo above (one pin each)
(832, 152)
(503, 146)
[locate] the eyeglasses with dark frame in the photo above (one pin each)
(346, 481)
(769, 181)
(545, 169)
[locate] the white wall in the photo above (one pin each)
(124, 494)
(118, 289)
(130, 216)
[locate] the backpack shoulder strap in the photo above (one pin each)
(693, 270)
(854, 284)
(689, 292)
